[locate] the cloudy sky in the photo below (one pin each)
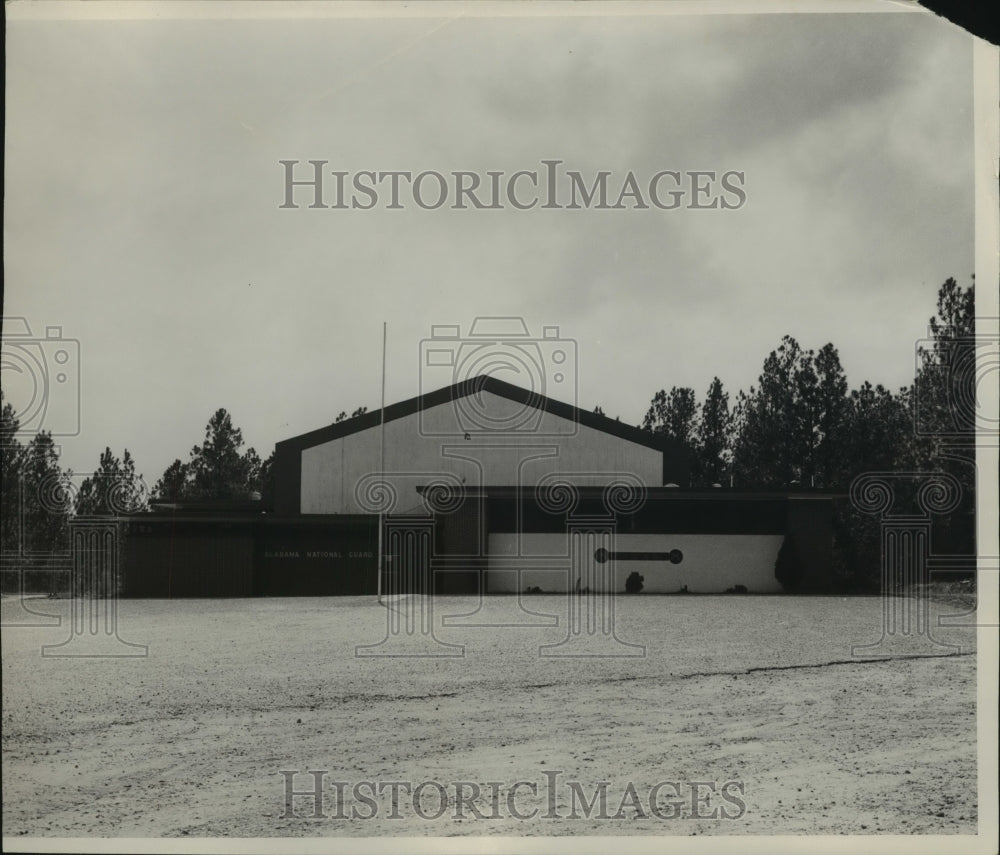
(143, 188)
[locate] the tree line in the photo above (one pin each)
(798, 427)
(39, 497)
(801, 427)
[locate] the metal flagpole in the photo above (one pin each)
(381, 464)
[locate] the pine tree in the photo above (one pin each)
(672, 415)
(11, 461)
(113, 489)
(714, 436)
(46, 497)
(175, 483)
(218, 469)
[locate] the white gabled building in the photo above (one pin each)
(502, 480)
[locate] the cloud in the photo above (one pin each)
(143, 188)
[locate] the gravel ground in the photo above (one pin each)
(762, 692)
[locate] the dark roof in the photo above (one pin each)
(462, 389)
(165, 520)
(220, 506)
(658, 493)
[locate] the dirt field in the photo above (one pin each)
(757, 692)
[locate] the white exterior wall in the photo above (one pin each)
(711, 564)
(413, 456)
